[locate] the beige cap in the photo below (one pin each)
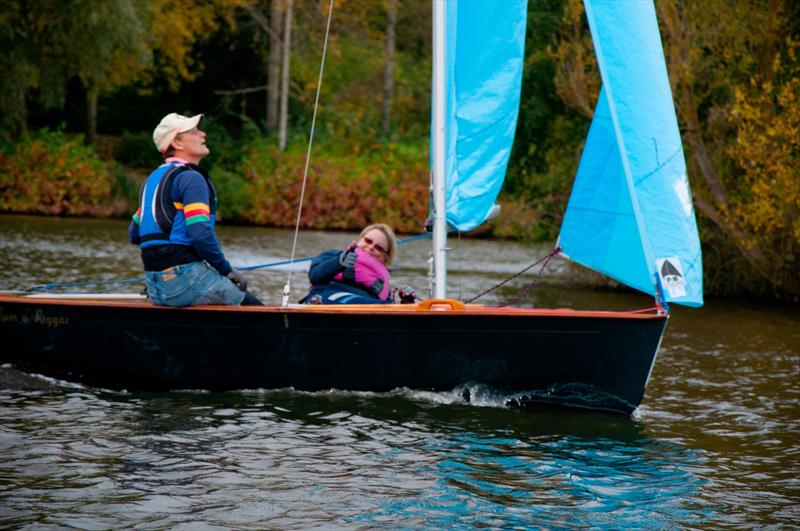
(171, 126)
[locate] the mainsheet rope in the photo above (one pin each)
(43, 287)
(544, 261)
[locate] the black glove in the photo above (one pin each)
(405, 295)
(238, 278)
(347, 258)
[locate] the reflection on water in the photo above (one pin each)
(714, 444)
(290, 460)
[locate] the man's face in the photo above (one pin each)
(191, 145)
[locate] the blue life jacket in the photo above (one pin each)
(162, 221)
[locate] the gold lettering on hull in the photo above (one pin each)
(40, 317)
(8, 317)
(50, 321)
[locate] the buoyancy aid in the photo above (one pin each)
(162, 220)
(368, 273)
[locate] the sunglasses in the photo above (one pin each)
(370, 242)
(192, 131)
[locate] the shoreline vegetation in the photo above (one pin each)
(79, 98)
(56, 174)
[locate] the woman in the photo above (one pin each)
(358, 274)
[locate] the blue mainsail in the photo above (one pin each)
(485, 43)
(630, 215)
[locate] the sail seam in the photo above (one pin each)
(646, 176)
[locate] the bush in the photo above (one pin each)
(137, 150)
(234, 194)
(50, 173)
(385, 184)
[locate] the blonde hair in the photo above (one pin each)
(389, 233)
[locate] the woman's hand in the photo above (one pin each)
(348, 258)
(405, 295)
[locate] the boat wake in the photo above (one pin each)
(14, 379)
(572, 395)
(471, 394)
(468, 394)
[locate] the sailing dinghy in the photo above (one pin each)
(629, 217)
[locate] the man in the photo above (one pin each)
(174, 225)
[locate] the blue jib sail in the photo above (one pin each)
(485, 43)
(630, 215)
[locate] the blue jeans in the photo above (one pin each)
(190, 285)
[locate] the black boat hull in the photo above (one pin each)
(598, 360)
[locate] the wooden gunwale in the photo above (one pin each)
(374, 309)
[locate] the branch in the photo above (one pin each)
(262, 21)
(753, 254)
(248, 90)
(296, 90)
(693, 130)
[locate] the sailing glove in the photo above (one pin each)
(348, 258)
(405, 295)
(238, 278)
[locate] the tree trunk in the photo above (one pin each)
(91, 117)
(23, 116)
(274, 65)
(388, 72)
(287, 46)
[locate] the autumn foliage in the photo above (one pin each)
(767, 149)
(49, 173)
(341, 192)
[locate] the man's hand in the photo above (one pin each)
(237, 278)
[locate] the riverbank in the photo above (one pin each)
(54, 174)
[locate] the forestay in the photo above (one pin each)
(485, 43)
(630, 215)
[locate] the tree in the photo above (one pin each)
(16, 61)
(106, 45)
(388, 72)
(99, 54)
(766, 116)
(273, 27)
(714, 51)
(287, 48)
(33, 37)
(177, 27)
(274, 64)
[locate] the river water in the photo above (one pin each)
(714, 445)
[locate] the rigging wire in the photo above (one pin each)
(288, 287)
(458, 263)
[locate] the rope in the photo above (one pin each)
(545, 259)
(44, 287)
(288, 288)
